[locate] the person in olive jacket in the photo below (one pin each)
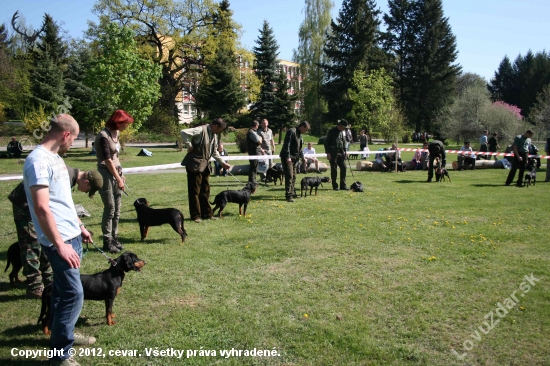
(436, 150)
(290, 154)
(335, 148)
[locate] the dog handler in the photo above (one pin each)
(291, 153)
(335, 148)
(202, 143)
(436, 150)
(107, 149)
(59, 231)
(36, 266)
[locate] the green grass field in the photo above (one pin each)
(399, 275)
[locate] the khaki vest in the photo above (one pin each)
(112, 148)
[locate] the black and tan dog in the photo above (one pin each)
(14, 258)
(275, 172)
(440, 171)
(148, 217)
(357, 187)
(531, 175)
(312, 182)
(100, 286)
(241, 197)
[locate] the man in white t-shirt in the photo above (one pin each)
(466, 158)
(59, 231)
(309, 150)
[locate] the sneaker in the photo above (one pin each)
(117, 243)
(35, 294)
(109, 247)
(67, 362)
(83, 340)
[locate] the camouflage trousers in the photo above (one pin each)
(36, 266)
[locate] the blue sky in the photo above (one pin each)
(486, 30)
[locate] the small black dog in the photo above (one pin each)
(148, 216)
(531, 176)
(241, 197)
(312, 182)
(440, 171)
(14, 258)
(275, 172)
(100, 286)
(357, 187)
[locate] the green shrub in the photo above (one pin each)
(240, 139)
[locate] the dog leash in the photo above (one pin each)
(111, 260)
(126, 185)
(351, 171)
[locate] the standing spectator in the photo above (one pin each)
(268, 144)
(466, 158)
(363, 143)
(107, 150)
(309, 150)
(425, 157)
(349, 137)
(219, 168)
(59, 231)
(14, 148)
(436, 150)
(425, 136)
(521, 149)
(254, 147)
(202, 144)
(335, 148)
(36, 266)
(493, 145)
(483, 142)
(291, 153)
(547, 150)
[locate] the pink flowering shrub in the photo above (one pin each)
(512, 108)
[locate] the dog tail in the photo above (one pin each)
(7, 264)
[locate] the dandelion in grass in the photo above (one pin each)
(433, 258)
(306, 315)
(454, 227)
(522, 308)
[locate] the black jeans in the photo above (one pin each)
(338, 162)
(516, 163)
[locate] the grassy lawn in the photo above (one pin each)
(399, 275)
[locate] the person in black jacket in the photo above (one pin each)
(436, 150)
(291, 153)
(335, 148)
(253, 147)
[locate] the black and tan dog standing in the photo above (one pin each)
(275, 173)
(100, 286)
(312, 182)
(440, 171)
(241, 197)
(148, 217)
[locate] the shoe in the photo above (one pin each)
(344, 188)
(335, 189)
(290, 199)
(460, 169)
(296, 196)
(211, 218)
(318, 171)
(83, 340)
(197, 220)
(117, 243)
(34, 294)
(429, 181)
(108, 246)
(67, 362)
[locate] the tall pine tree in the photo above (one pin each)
(266, 53)
(220, 93)
(47, 84)
(282, 114)
(427, 50)
(353, 40)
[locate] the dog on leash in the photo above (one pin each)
(275, 172)
(312, 182)
(241, 197)
(440, 171)
(148, 217)
(100, 286)
(531, 175)
(14, 258)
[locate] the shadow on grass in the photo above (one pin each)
(30, 332)
(406, 181)
(489, 185)
(5, 287)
